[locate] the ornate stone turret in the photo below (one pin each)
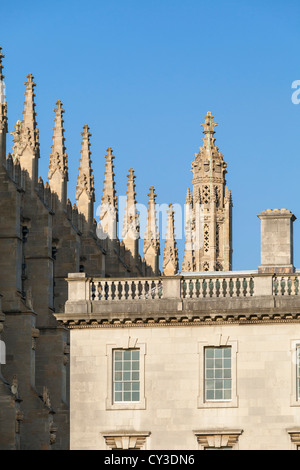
(209, 245)
(170, 261)
(109, 204)
(26, 147)
(85, 191)
(151, 239)
(58, 163)
(131, 229)
(3, 114)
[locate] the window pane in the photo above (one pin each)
(136, 355)
(218, 382)
(126, 375)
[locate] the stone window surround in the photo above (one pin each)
(127, 343)
(219, 342)
(295, 400)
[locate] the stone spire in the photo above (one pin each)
(188, 259)
(85, 191)
(170, 261)
(3, 114)
(109, 204)
(26, 135)
(131, 229)
(58, 163)
(151, 238)
(211, 215)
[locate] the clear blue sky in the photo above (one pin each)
(143, 74)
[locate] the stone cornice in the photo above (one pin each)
(159, 313)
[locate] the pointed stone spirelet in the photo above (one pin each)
(85, 190)
(58, 157)
(151, 248)
(131, 229)
(26, 136)
(188, 260)
(170, 261)
(3, 114)
(109, 191)
(29, 114)
(131, 221)
(151, 237)
(58, 161)
(109, 205)
(85, 178)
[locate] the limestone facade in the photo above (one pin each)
(189, 362)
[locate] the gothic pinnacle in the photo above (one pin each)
(130, 223)
(151, 236)
(109, 205)
(109, 192)
(170, 261)
(85, 179)
(29, 114)
(58, 158)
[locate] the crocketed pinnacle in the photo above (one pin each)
(109, 192)
(170, 261)
(29, 114)
(151, 237)
(130, 221)
(3, 105)
(85, 178)
(58, 158)
(26, 133)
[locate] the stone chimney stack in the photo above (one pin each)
(276, 241)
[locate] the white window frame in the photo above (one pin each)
(228, 403)
(128, 405)
(295, 392)
(122, 382)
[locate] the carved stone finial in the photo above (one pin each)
(170, 261)
(85, 179)
(131, 228)
(109, 204)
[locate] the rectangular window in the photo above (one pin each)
(298, 372)
(126, 375)
(218, 373)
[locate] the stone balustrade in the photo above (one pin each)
(233, 296)
(199, 286)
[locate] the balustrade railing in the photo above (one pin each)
(194, 287)
(206, 287)
(129, 289)
(286, 285)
